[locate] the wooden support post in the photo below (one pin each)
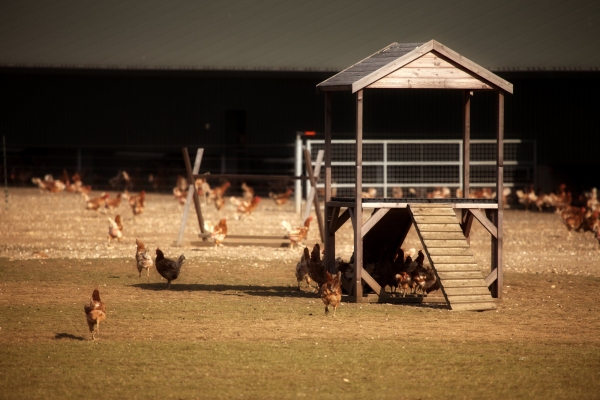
(358, 211)
(466, 155)
(331, 214)
(496, 287)
(316, 203)
(466, 224)
(466, 143)
(192, 192)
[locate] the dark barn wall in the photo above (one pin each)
(56, 112)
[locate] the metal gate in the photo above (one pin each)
(422, 165)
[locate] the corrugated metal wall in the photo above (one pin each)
(159, 112)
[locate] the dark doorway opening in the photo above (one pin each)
(237, 141)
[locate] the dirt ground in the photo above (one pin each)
(35, 225)
(236, 310)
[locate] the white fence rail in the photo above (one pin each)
(423, 165)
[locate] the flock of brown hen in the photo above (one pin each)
(581, 214)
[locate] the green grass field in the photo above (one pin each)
(244, 331)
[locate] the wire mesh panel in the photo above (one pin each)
(394, 168)
(519, 163)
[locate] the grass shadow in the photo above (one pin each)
(251, 290)
(64, 335)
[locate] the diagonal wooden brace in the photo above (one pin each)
(191, 193)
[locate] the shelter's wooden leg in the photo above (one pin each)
(330, 214)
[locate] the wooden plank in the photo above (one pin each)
(392, 66)
(440, 228)
(430, 205)
(466, 291)
(373, 283)
(341, 220)
(482, 306)
(467, 225)
(430, 60)
(450, 72)
(313, 188)
(449, 251)
(422, 211)
(454, 283)
(384, 205)
(453, 260)
(373, 298)
(487, 224)
(327, 147)
(456, 267)
(373, 220)
(429, 83)
(442, 235)
(334, 213)
(475, 205)
(192, 193)
(471, 298)
(435, 219)
(431, 244)
(475, 274)
(498, 246)
(358, 210)
(492, 277)
(309, 170)
(453, 56)
(466, 144)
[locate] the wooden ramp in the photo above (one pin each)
(450, 256)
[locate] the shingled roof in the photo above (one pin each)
(461, 73)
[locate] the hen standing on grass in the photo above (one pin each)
(168, 269)
(142, 258)
(331, 291)
(302, 268)
(95, 312)
(316, 267)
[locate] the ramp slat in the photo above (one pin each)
(440, 228)
(431, 243)
(449, 251)
(435, 219)
(466, 291)
(476, 274)
(433, 211)
(471, 298)
(464, 283)
(453, 260)
(444, 243)
(456, 235)
(457, 267)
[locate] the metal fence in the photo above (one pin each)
(423, 165)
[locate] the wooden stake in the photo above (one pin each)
(192, 192)
(313, 185)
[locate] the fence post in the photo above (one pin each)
(298, 172)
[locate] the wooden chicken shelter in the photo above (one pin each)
(444, 236)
